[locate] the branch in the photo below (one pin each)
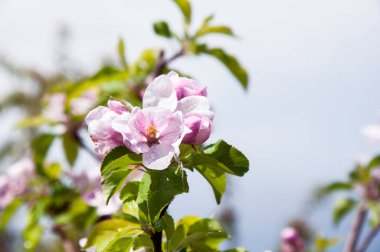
(162, 63)
(356, 229)
(369, 238)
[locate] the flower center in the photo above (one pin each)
(151, 135)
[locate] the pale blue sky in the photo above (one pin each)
(315, 77)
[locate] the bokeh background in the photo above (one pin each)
(314, 83)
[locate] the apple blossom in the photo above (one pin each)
(84, 102)
(55, 109)
(99, 121)
(197, 117)
(89, 184)
(15, 181)
(185, 87)
(292, 241)
(155, 132)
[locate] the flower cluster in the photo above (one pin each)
(175, 110)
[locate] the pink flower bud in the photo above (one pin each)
(200, 129)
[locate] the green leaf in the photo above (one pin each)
(228, 60)
(40, 146)
(375, 162)
(53, 171)
(322, 243)
(336, 186)
(216, 177)
(162, 28)
(121, 52)
(124, 244)
(198, 234)
(32, 236)
(33, 231)
(169, 226)
(106, 231)
(374, 217)
(35, 122)
(113, 181)
(235, 161)
(119, 157)
(70, 147)
(9, 211)
(342, 208)
(236, 250)
(221, 156)
(158, 189)
(221, 29)
(185, 7)
(129, 191)
(166, 184)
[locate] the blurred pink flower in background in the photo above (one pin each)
(15, 181)
(82, 104)
(291, 241)
(55, 109)
(90, 186)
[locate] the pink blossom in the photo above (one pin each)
(90, 186)
(156, 133)
(55, 109)
(99, 122)
(197, 117)
(84, 102)
(15, 181)
(185, 87)
(291, 241)
(160, 93)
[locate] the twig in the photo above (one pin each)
(356, 229)
(369, 238)
(162, 63)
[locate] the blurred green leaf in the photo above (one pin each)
(360, 174)
(228, 60)
(162, 28)
(236, 250)
(52, 171)
(374, 217)
(321, 243)
(33, 231)
(40, 147)
(375, 162)
(121, 52)
(34, 122)
(185, 7)
(70, 146)
(119, 157)
(336, 186)
(342, 208)
(8, 212)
